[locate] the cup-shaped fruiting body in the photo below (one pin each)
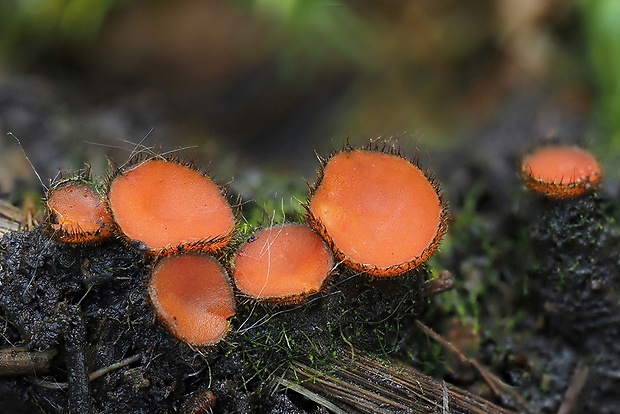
(377, 210)
(164, 205)
(192, 296)
(284, 262)
(561, 171)
(76, 212)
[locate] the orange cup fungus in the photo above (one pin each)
(561, 171)
(378, 211)
(192, 296)
(284, 262)
(76, 213)
(169, 206)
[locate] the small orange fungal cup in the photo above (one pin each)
(282, 263)
(76, 212)
(192, 296)
(377, 210)
(561, 171)
(168, 206)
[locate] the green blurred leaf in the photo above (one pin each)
(602, 24)
(31, 26)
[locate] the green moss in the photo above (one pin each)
(600, 19)
(485, 259)
(576, 270)
(354, 310)
(28, 28)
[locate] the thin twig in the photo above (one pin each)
(578, 381)
(443, 342)
(93, 376)
(499, 387)
(16, 360)
(312, 396)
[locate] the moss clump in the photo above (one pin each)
(577, 271)
(354, 310)
(375, 314)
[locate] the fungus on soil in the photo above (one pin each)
(284, 262)
(561, 171)
(76, 213)
(192, 296)
(377, 210)
(164, 204)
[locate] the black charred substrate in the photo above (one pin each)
(86, 310)
(576, 271)
(89, 304)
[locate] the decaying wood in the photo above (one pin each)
(17, 360)
(13, 218)
(578, 381)
(361, 384)
(499, 387)
(10, 217)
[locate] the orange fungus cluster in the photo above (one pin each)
(376, 211)
(372, 209)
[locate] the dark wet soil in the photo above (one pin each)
(90, 305)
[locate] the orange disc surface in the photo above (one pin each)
(165, 204)
(378, 210)
(282, 261)
(77, 213)
(193, 298)
(561, 171)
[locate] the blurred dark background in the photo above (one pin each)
(255, 86)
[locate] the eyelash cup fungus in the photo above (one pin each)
(192, 297)
(377, 210)
(573, 239)
(76, 213)
(282, 263)
(165, 206)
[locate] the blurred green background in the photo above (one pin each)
(258, 85)
(249, 89)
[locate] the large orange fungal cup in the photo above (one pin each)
(169, 206)
(378, 211)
